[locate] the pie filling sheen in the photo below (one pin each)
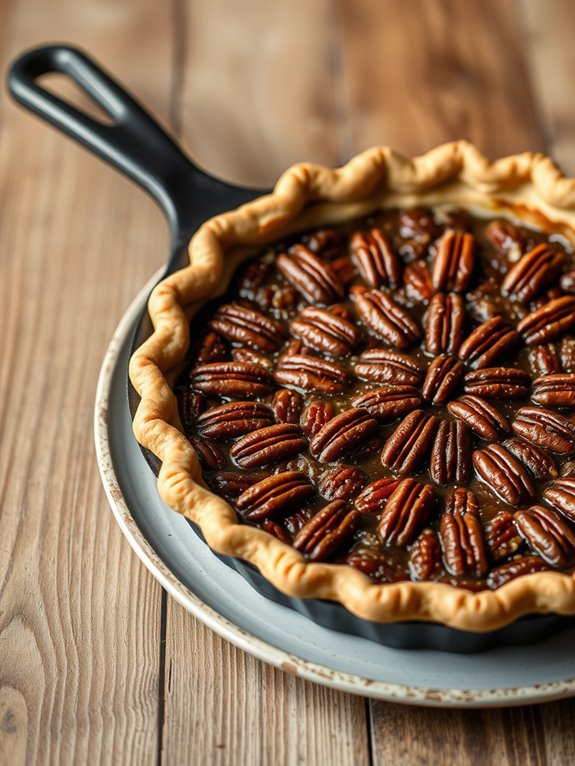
(396, 394)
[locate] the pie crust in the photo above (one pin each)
(528, 186)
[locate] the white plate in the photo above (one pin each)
(224, 601)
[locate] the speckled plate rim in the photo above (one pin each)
(354, 684)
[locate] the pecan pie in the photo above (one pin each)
(364, 384)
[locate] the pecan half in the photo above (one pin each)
(547, 534)
(244, 354)
(268, 525)
(247, 327)
(555, 390)
(388, 402)
(450, 459)
(373, 497)
(234, 380)
(483, 418)
(461, 535)
(268, 445)
(386, 319)
(532, 273)
(544, 359)
(325, 242)
(343, 434)
(454, 262)
(549, 322)
(444, 323)
(234, 419)
(560, 495)
(410, 443)
(406, 512)
(314, 417)
(419, 229)
(383, 366)
(341, 482)
(344, 269)
(488, 343)
(376, 261)
(513, 569)
(274, 494)
(230, 484)
(546, 429)
(325, 532)
(417, 280)
(311, 276)
(375, 566)
(498, 383)
(501, 536)
(506, 239)
(311, 374)
(443, 376)
(209, 453)
(211, 348)
(326, 331)
(190, 405)
(287, 405)
(425, 556)
(503, 474)
(539, 463)
(567, 355)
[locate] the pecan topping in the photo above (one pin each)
(268, 525)
(503, 474)
(386, 320)
(274, 494)
(248, 327)
(325, 242)
(425, 556)
(388, 402)
(211, 348)
(268, 445)
(501, 536)
(506, 239)
(453, 265)
(343, 434)
(539, 463)
(417, 280)
(376, 261)
(286, 405)
(244, 354)
(560, 495)
(190, 405)
(461, 535)
(545, 429)
(209, 453)
(325, 532)
(567, 354)
(234, 419)
(549, 322)
(326, 331)
(373, 497)
(488, 343)
(375, 566)
(444, 323)
(230, 484)
(410, 443)
(555, 390)
(315, 416)
(532, 273)
(442, 379)
(383, 366)
(544, 359)
(233, 380)
(482, 417)
(311, 374)
(405, 512)
(498, 383)
(547, 534)
(313, 278)
(344, 270)
(513, 569)
(341, 482)
(451, 453)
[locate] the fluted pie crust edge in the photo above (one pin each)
(308, 196)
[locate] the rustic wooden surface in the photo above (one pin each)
(96, 664)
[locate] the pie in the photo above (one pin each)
(364, 385)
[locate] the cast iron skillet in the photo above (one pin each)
(137, 146)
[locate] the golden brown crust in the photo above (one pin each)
(308, 195)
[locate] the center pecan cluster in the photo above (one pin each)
(457, 376)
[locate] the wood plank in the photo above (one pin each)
(79, 615)
(419, 73)
(548, 29)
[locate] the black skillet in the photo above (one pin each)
(137, 146)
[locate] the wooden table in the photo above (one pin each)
(96, 663)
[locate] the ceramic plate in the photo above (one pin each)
(226, 603)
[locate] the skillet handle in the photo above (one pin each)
(134, 143)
